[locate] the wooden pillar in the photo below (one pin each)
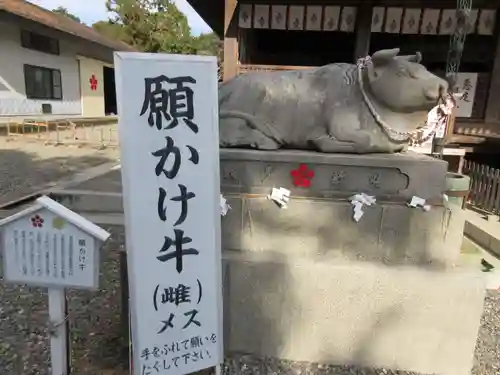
(230, 39)
(363, 31)
(492, 113)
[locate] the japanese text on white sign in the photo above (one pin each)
(466, 86)
(44, 249)
(170, 172)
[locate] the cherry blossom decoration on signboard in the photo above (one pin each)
(302, 176)
(37, 221)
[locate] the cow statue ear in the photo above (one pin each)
(418, 57)
(384, 56)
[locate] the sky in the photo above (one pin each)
(90, 11)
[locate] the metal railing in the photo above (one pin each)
(484, 192)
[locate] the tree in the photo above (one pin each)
(152, 25)
(62, 10)
(210, 44)
(156, 26)
(110, 29)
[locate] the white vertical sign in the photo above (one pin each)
(169, 144)
(466, 86)
(49, 245)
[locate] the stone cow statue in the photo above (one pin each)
(374, 106)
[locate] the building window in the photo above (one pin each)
(42, 83)
(39, 42)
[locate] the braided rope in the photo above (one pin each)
(394, 135)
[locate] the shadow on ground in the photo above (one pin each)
(24, 172)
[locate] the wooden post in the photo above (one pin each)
(230, 40)
(363, 31)
(59, 331)
(492, 112)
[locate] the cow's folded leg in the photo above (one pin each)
(262, 142)
(236, 132)
(345, 128)
(331, 145)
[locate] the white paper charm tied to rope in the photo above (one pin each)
(419, 202)
(224, 206)
(280, 196)
(358, 201)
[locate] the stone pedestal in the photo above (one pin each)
(308, 283)
(318, 220)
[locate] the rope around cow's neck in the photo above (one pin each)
(394, 135)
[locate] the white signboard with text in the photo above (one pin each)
(466, 85)
(168, 129)
(49, 245)
(45, 246)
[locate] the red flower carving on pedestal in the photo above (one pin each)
(93, 82)
(302, 176)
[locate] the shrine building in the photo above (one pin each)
(290, 34)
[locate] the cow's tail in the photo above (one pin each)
(254, 123)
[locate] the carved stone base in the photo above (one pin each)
(308, 283)
(318, 221)
(394, 177)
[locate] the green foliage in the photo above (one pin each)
(152, 25)
(208, 44)
(111, 30)
(62, 10)
(155, 26)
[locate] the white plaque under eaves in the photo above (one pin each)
(486, 22)
(430, 21)
(278, 17)
(296, 17)
(313, 18)
(348, 19)
(377, 19)
(261, 17)
(50, 245)
(448, 22)
(245, 16)
(393, 20)
(411, 21)
(331, 18)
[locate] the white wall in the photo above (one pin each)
(92, 100)
(13, 56)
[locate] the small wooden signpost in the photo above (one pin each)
(168, 130)
(50, 245)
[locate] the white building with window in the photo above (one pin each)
(52, 65)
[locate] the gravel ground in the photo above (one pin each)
(25, 167)
(99, 345)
